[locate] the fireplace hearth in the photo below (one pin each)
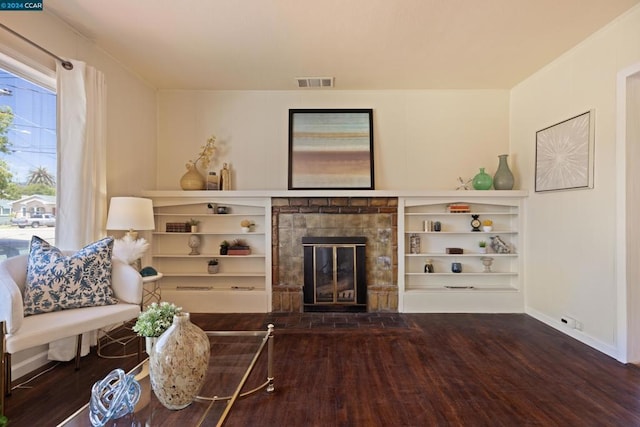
(334, 274)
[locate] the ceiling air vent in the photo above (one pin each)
(314, 82)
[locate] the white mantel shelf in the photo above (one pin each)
(208, 194)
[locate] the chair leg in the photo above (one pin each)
(7, 374)
(78, 351)
(3, 362)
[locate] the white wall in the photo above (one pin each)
(131, 114)
(571, 235)
(423, 139)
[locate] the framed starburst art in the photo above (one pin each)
(564, 154)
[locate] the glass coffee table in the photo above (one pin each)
(234, 355)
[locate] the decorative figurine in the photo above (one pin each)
(194, 243)
(499, 246)
(113, 397)
(428, 266)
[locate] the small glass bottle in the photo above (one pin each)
(212, 181)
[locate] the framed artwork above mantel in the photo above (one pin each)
(331, 149)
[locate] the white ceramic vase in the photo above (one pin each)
(149, 343)
(178, 363)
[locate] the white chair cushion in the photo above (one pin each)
(47, 327)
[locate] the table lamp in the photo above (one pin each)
(131, 214)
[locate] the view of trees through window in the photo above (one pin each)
(27, 163)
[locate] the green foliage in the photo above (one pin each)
(31, 189)
(156, 319)
(5, 180)
(6, 120)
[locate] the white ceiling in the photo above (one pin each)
(364, 44)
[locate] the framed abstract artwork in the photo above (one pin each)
(331, 149)
(565, 154)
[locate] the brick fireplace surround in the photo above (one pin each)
(376, 218)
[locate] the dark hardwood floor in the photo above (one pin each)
(394, 370)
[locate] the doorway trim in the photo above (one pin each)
(627, 276)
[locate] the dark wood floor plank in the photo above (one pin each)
(395, 370)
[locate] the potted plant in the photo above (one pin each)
(239, 247)
(483, 246)
(194, 225)
(154, 321)
(246, 225)
(212, 266)
(224, 247)
(487, 225)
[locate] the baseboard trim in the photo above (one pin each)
(607, 349)
(28, 365)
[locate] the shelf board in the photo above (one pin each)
(479, 273)
(215, 289)
(458, 214)
(214, 275)
(207, 256)
(461, 289)
(206, 215)
(208, 233)
(462, 232)
(469, 254)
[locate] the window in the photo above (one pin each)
(28, 161)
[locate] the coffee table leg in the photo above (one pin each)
(270, 386)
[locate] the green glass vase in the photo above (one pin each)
(482, 181)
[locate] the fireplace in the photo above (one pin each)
(334, 274)
(374, 218)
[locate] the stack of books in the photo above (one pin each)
(459, 208)
(178, 227)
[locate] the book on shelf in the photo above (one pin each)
(459, 208)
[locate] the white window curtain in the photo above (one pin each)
(82, 182)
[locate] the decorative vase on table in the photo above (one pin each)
(503, 179)
(482, 181)
(178, 363)
(149, 343)
(192, 179)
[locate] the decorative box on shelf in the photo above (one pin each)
(456, 251)
(239, 250)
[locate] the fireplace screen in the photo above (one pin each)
(334, 273)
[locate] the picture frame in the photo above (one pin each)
(331, 149)
(565, 154)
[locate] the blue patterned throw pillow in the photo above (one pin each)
(58, 282)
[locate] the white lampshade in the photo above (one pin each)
(130, 213)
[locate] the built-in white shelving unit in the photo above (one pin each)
(473, 289)
(243, 282)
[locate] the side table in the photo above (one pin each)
(151, 289)
(123, 335)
